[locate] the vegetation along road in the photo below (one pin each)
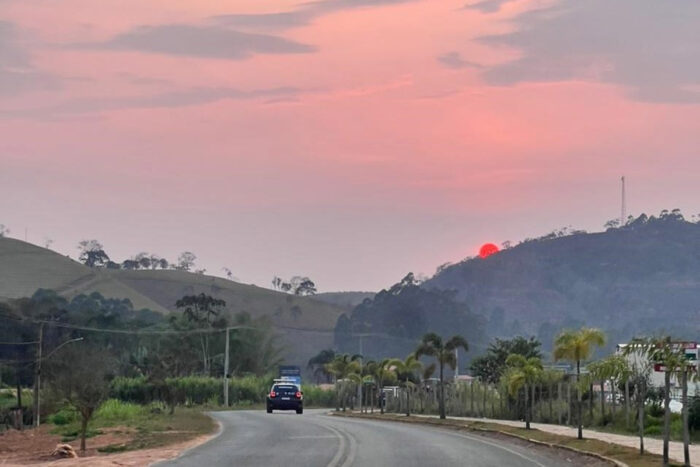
(254, 438)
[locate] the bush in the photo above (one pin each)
(653, 430)
(137, 389)
(116, 410)
(314, 396)
(694, 413)
(64, 416)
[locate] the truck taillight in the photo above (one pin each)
(272, 394)
(298, 394)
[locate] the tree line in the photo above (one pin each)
(73, 349)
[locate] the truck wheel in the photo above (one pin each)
(300, 411)
(269, 410)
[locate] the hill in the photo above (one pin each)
(305, 325)
(638, 279)
(346, 300)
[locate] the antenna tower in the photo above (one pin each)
(623, 212)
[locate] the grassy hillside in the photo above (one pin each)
(306, 325)
(639, 279)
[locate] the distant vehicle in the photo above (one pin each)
(290, 372)
(285, 395)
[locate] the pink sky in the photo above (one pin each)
(348, 140)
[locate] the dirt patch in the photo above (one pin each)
(33, 447)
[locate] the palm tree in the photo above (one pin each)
(611, 368)
(406, 371)
(672, 356)
(367, 385)
(432, 345)
(345, 368)
(577, 346)
(551, 378)
(380, 372)
(426, 374)
(640, 365)
(523, 372)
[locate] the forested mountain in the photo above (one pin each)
(393, 322)
(641, 278)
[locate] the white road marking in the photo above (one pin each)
(480, 440)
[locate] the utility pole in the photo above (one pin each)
(359, 388)
(226, 369)
(456, 364)
(37, 373)
(37, 377)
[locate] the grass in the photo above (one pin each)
(623, 454)
(8, 398)
(149, 425)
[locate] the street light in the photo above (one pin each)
(37, 372)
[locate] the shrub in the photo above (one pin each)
(64, 416)
(653, 430)
(137, 389)
(314, 396)
(116, 410)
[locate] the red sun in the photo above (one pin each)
(487, 249)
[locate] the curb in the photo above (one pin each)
(490, 430)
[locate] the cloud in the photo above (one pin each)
(17, 74)
(185, 98)
(454, 60)
(650, 47)
(487, 6)
(199, 41)
(299, 17)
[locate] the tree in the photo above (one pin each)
(185, 261)
(612, 368)
(228, 272)
(4, 231)
(345, 368)
(203, 311)
(432, 345)
(318, 363)
(381, 371)
(671, 356)
(489, 368)
(577, 346)
(305, 287)
(92, 253)
(130, 264)
(81, 373)
(523, 373)
(406, 372)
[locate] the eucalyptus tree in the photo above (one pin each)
(406, 372)
(444, 353)
(577, 347)
(523, 373)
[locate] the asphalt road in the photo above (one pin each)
(314, 439)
